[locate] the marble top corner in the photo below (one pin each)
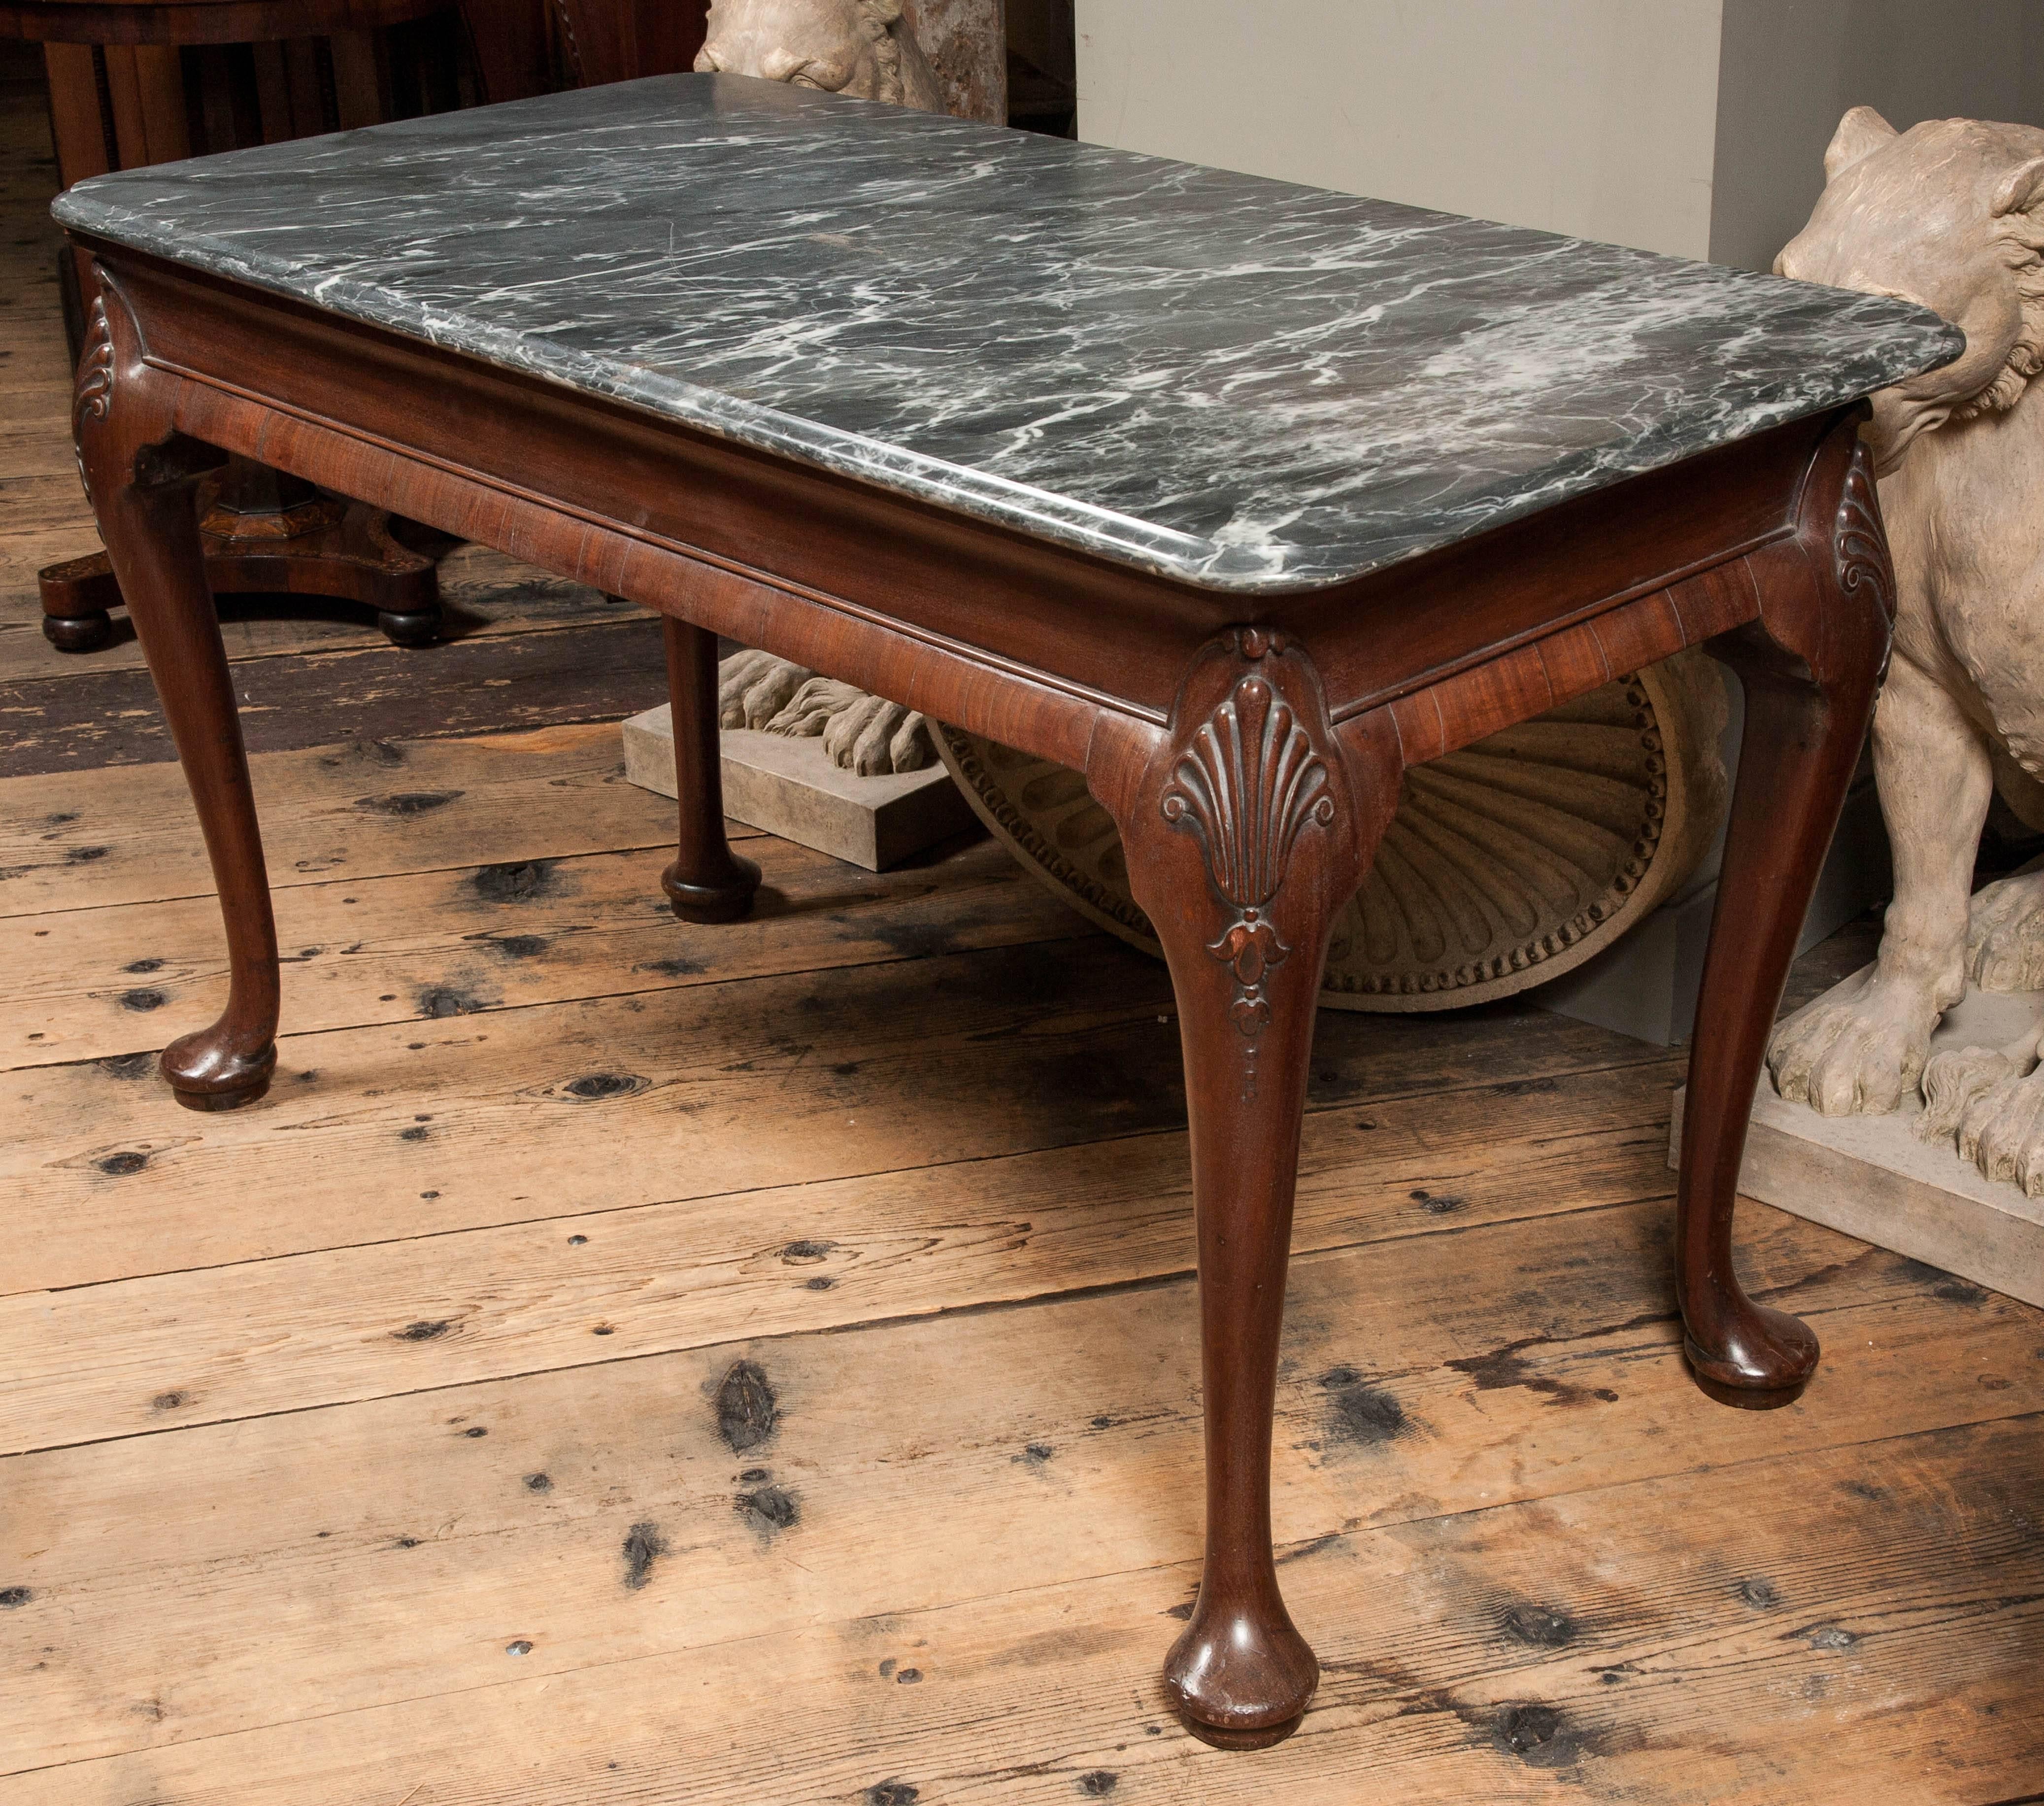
(1241, 383)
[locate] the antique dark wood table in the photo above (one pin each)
(1239, 498)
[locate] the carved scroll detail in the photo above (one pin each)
(1859, 546)
(94, 393)
(1248, 784)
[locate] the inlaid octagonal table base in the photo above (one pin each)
(118, 98)
(264, 533)
(1196, 486)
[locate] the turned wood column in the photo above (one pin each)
(706, 881)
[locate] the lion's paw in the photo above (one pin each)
(811, 710)
(752, 687)
(1953, 1082)
(865, 734)
(875, 737)
(1857, 1056)
(2003, 1133)
(2005, 934)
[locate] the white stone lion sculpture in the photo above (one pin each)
(1949, 214)
(863, 48)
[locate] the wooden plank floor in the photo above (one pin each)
(625, 1362)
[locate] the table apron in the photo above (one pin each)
(967, 685)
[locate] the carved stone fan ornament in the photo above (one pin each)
(1507, 864)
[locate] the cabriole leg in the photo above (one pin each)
(139, 474)
(1248, 831)
(707, 881)
(1812, 666)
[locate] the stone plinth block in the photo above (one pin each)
(791, 787)
(1873, 1178)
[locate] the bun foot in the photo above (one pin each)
(419, 628)
(1767, 1362)
(220, 1100)
(206, 1075)
(1241, 1682)
(724, 901)
(1221, 1739)
(78, 632)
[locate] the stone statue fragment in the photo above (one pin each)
(866, 734)
(863, 48)
(1949, 214)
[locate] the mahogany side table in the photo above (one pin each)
(1239, 498)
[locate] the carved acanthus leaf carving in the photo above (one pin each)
(1249, 783)
(94, 393)
(1859, 544)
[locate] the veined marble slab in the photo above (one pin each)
(1245, 384)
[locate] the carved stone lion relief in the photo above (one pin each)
(866, 734)
(1949, 214)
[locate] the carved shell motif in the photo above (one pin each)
(1248, 783)
(1507, 863)
(95, 391)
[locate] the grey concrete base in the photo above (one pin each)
(1646, 985)
(791, 787)
(1871, 1177)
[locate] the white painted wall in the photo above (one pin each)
(1594, 118)
(1789, 69)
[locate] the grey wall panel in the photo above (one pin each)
(1788, 68)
